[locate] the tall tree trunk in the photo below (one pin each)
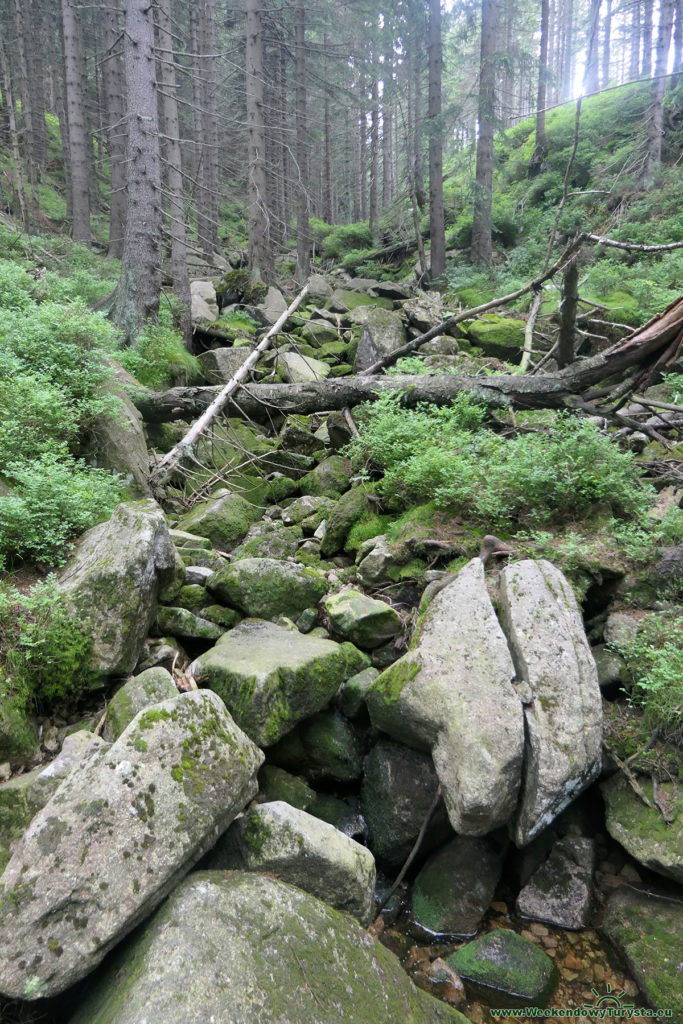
(647, 11)
(436, 211)
(634, 51)
(137, 296)
(655, 118)
(303, 241)
(373, 210)
(482, 225)
(541, 148)
(36, 60)
(328, 214)
(388, 124)
(567, 86)
(209, 235)
(79, 169)
(678, 41)
(10, 104)
(112, 72)
(417, 155)
(173, 173)
(566, 346)
(606, 43)
(260, 253)
(591, 76)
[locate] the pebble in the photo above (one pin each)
(538, 929)
(630, 874)
(5, 771)
(499, 907)
(573, 962)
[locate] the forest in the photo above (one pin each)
(341, 510)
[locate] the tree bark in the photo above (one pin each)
(437, 237)
(566, 345)
(209, 131)
(606, 44)
(482, 225)
(112, 72)
(137, 295)
(9, 103)
(260, 254)
(655, 116)
(591, 76)
(646, 7)
(78, 138)
(541, 148)
(634, 42)
(678, 41)
(373, 208)
(173, 173)
(303, 240)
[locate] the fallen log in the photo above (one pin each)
(561, 390)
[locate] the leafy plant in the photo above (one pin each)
(52, 499)
(160, 359)
(44, 651)
(654, 662)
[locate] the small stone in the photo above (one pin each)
(629, 874)
(599, 972)
(499, 907)
(573, 962)
(5, 771)
(538, 929)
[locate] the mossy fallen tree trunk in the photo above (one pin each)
(565, 389)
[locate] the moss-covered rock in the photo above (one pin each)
(126, 824)
(142, 691)
(325, 746)
(647, 932)
(329, 478)
(266, 587)
(351, 698)
(297, 368)
(499, 336)
(347, 511)
(642, 830)
(285, 956)
(183, 623)
(303, 850)
(271, 677)
(240, 286)
(504, 970)
(277, 784)
(18, 732)
(224, 519)
(112, 582)
(270, 540)
(453, 890)
(363, 620)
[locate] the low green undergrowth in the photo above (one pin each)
(448, 456)
(160, 359)
(654, 662)
(44, 653)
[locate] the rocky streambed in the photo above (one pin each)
(299, 698)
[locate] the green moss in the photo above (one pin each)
(257, 834)
(389, 685)
(148, 719)
(369, 525)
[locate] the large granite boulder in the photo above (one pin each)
(364, 621)
(647, 932)
(267, 587)
(273, 305)
(116, 439)
(204, 302)
(399, 787)
(22, 796)
(304, 851)
(560, 892)
(325, 746)
(453, 890)
(152, 686)
(453, 694)
(117, 836)
(297, 369)
(381, 335)
(641, 830)
(271, 677)
(545, 630)
(262, 952)
(219, 365)
(223, 520)
(112, 581)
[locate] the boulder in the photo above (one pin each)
(112, 581)
(295, 436)
(273, 306)
(22, 796)
(319, 332)
(499, 336)
(270, 677)
(647, 933)
(564, 720)
(298, 369)
(204, 303)
(219, 365)
(186, 624)
(267, 587)
(310, 505)
(376, 562)
(142, 691)
(641, 830)
(381, 335)
(362, 620)
(117, 438)
(117, 836)
(304, 851)
(504, 970)
(351, 698)
(560, 892)
(453, 890)
(424, 311)
(263, 952)
(329, 478)
(223, 520)
(319, 290)
(277, 784)
(399, 787)
(453, 694)
(323, 747)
